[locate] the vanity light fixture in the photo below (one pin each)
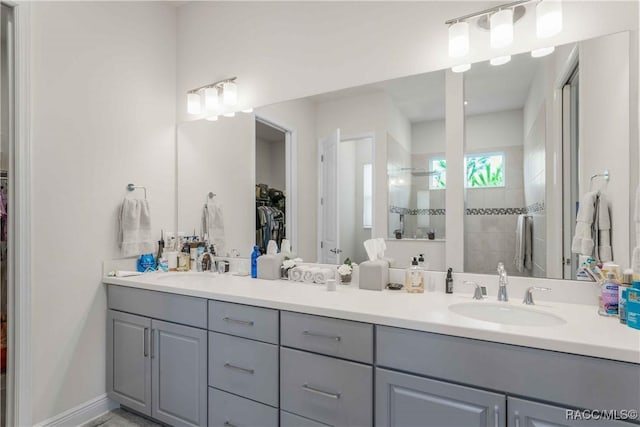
(501, 23)
(548, 18)
(230, 114)
(539, 53)
(194, 103)
(227, 89)
(500, 60)
(211, 118)
(461, 68)
(248, 110)
(458, 39)
(500, 20)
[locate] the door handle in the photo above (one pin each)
(153, 332)
(145, 344)
(336, 251)
(321, 392)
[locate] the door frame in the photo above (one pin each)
(19, 268)
(291, 177)
(348, 137)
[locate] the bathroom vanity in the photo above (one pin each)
(216, 350)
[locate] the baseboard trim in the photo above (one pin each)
(81, 414)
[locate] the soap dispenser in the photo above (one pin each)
(254, 262)
(414, 278)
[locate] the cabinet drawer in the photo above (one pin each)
(244, 321)
(244, 367)
(404, 400)
(182, 309)
(291, 420)
(226, 410)
(334, 337)
(568, 379)
(324, 389)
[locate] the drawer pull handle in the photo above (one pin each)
(496, 416)
(239, 368)
(145, 344)
(317, 335)
(238, 321)
(315, 390)
(517, 419)
(229, 424)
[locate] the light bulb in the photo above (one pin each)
(194, 103)
(501, 24)
(548, 18)
(231, 114)
(538, 53)
(248, 110)
(458, 39)
(461, 68)
(211, 118)
(229, 93)
(210, 98)
(500, 60)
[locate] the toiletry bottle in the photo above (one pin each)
(160, 248)
(254, 261)
(421, 262)
(414, 278)
(609, 296)
(449, 281)
(622, 305)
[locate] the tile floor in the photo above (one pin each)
(121, 418)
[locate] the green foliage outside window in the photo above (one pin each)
(483, 170)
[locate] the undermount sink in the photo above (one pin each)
(506, 314)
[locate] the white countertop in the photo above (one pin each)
(585, 332)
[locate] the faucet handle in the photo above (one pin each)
(477, 294)
(528, 294)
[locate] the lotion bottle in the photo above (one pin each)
(414, 278)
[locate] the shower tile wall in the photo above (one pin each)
(490, 236)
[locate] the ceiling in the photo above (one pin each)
(268, 133)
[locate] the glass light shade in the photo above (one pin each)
(501, 24)
(231, 114)
(461, 68)
(500, 60)
(548, 18)
(248, 110)
(458, 39)
(194, 103)
(210, 98)
(229, 93)
(211, 118)
(537, 53)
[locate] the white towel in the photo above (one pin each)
(295, 274)
(321, 275)
(603, 232)
(524, 239)
(307, 275)
(582, 240)
(213, 224)
(135, 228)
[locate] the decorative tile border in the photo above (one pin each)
(534, 208)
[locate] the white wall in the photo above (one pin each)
(289, 50)
(102, 115)
(270, 163)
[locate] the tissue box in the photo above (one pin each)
(269, 266)
(374, 275)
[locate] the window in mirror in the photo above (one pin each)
(439, 178)
(367, 195)
(484, 170)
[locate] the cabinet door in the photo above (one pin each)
(407, 401)
(128, 362)
(526, 413)
(179, 364)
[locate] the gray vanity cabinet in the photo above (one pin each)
(179, 380)
(128, 360)
(404, 400)
(526, 413)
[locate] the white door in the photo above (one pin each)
(330, 230)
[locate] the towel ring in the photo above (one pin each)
(604, 175)
(131, 187)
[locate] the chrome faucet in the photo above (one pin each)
(477, 294)
(528, 295)
(502, 283)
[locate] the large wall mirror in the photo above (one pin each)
(370, 161)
